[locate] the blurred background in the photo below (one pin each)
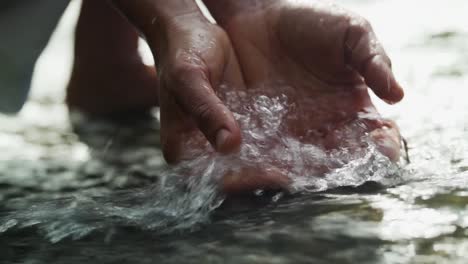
(422, 220)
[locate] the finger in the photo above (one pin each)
(194, 94)
(174, 127)
(365, 54)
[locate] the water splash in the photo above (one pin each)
(186, 194)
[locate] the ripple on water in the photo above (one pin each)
(178, 202)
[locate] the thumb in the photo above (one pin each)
(366, 55)
(194, 94)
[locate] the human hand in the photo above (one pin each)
(197, 57)
(308, 44)
(329, 57)
(193, 57)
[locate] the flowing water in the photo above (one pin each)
(98, 191)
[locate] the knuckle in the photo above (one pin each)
(186, 75)
(360, 43)
(357, 28)
(203, 111)
(360, 24)
(184, 70)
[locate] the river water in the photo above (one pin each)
(99, 191)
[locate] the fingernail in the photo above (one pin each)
(221, 138)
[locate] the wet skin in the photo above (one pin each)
(328, 55)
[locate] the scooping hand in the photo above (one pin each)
(196, 60)
(193, 57)
(328, 55)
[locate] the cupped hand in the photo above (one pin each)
(193, 58)
(329, 56)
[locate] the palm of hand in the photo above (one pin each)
(329, 57)
(299, 46)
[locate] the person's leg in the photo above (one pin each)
(108, 73)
